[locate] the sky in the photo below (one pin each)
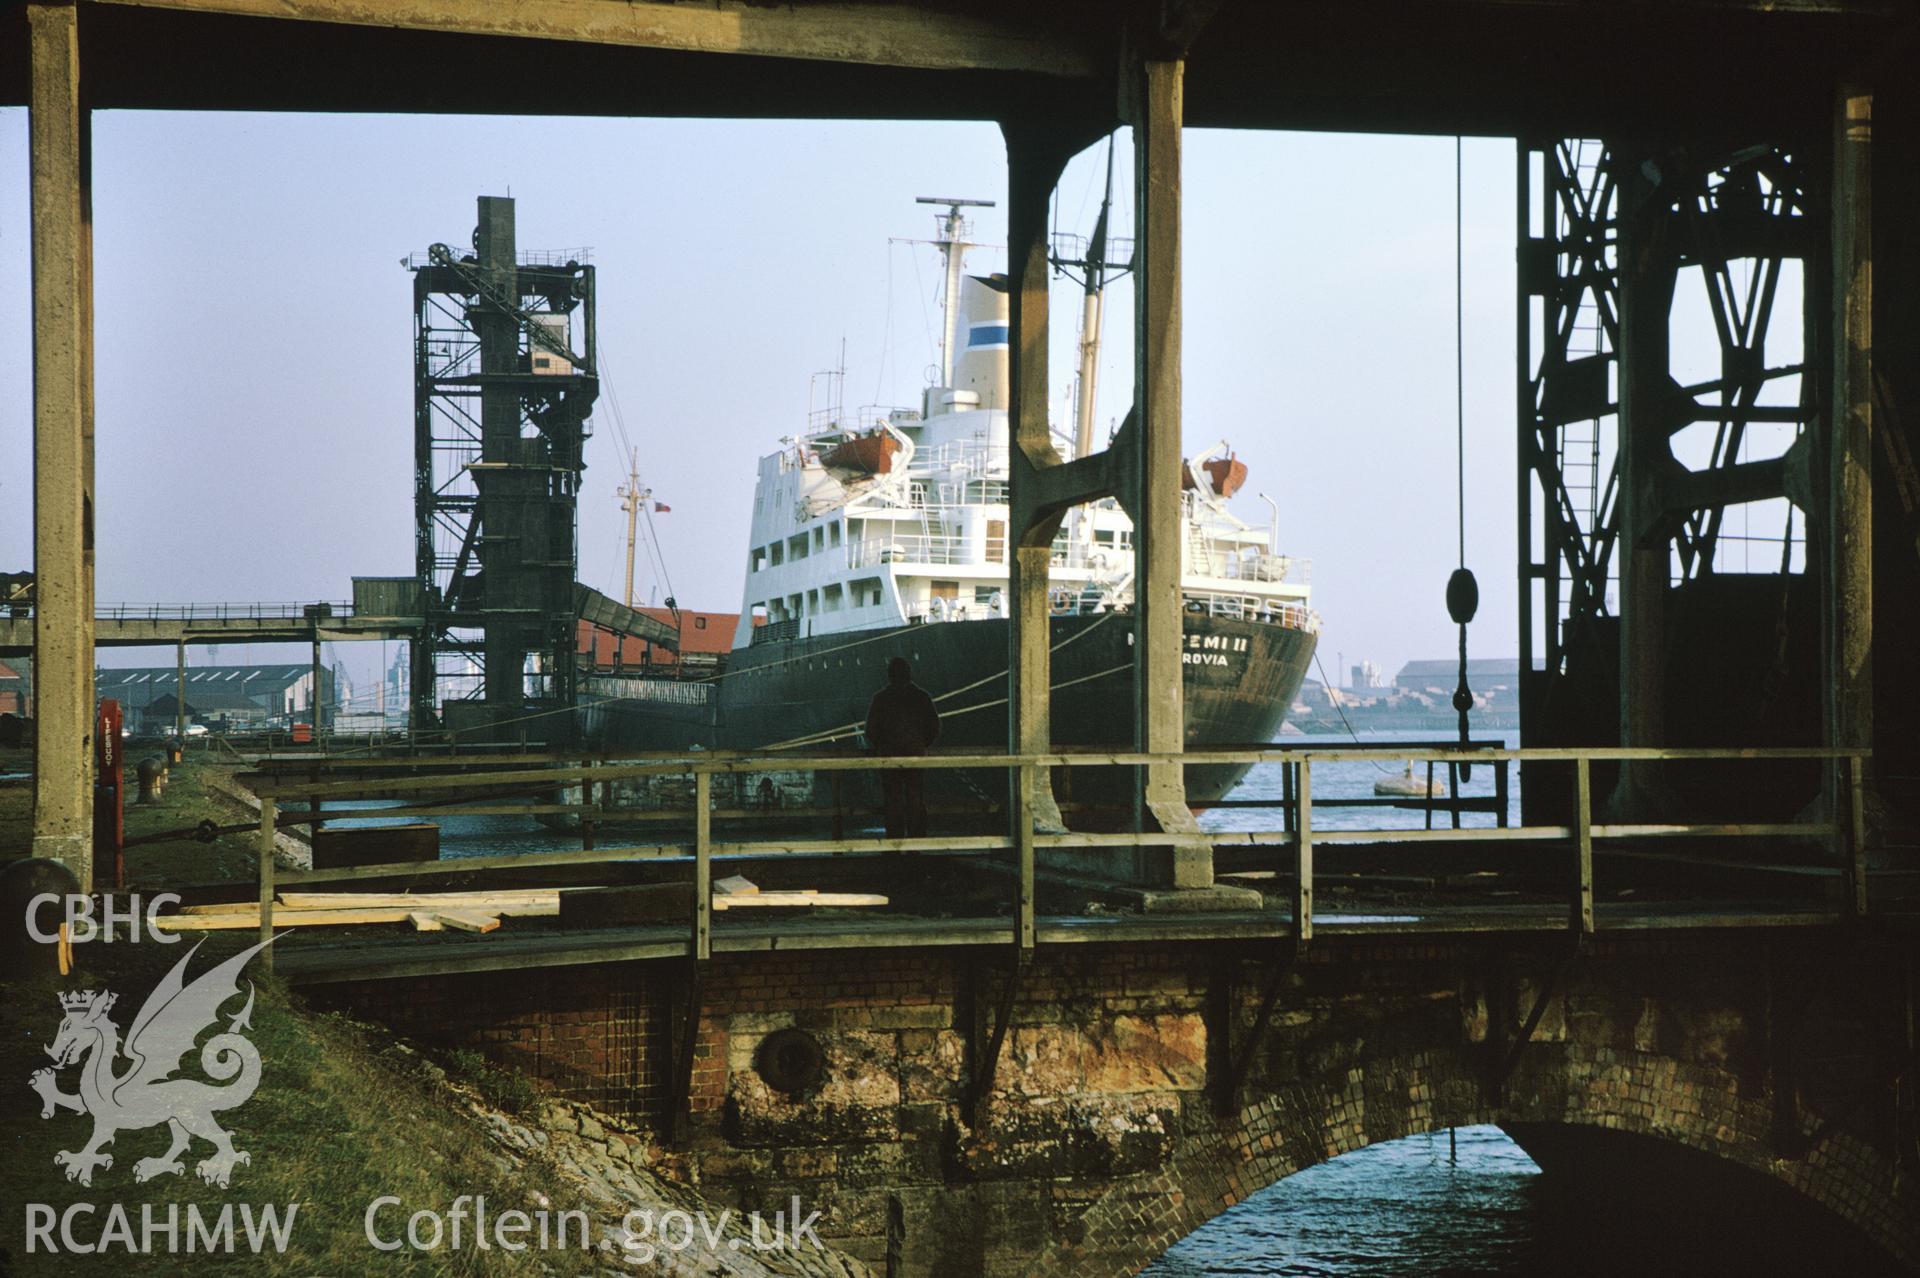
(254, 367)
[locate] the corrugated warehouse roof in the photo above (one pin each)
(137, 686)
(207, 700)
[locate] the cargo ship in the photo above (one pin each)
(885, 533)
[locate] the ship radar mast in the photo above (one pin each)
(1099, 260)
(953, 249)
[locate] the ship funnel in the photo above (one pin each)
(980, 374)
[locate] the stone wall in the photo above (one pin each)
(1101, 1140)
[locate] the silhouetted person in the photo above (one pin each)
(901, 720)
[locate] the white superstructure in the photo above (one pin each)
(886, 517)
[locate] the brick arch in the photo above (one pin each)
(1299, 1125)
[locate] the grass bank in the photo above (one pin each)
(188, 800)
(337, 1121)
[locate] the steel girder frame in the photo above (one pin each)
(504, 380)
(1711, 237)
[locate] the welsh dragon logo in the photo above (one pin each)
(145, 1093)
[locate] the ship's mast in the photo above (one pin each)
(631, 495)
(1095, 266)
(953, 248)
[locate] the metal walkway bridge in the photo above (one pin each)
(987, 889)
(132, 625)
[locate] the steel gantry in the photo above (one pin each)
(504, 380)
(1672, 366)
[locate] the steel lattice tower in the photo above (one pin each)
(504, 380)
(1669, 509)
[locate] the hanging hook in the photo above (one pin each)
(1463, 592)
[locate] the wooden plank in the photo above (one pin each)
(341, 917)
(1484, 834)
(1303, 860)
(281, 919)
(735, 885)
(454, 807)
(465, 921)
(424, 921)
(799, 899)
(1144, 839)
(640, 815)
(511, 861)
(1582, 849)
(1023, 831)
(484, 900)
(974, 843)
(264, 911)
(702, 866)
(1777, 829)
(379, 900)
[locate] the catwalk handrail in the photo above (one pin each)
(1846, 830)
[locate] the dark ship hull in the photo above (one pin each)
(804, 694)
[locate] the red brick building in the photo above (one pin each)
(705, 640)
(15, 691)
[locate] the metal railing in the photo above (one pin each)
(944, 549)
(294, 611)
(1253, 608)
(1209, 557)
(1295, 841)
(526, 257)
(917, 548)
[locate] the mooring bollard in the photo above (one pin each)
(153, 779)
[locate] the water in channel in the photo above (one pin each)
(1413, 1208)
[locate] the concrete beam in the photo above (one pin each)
(892, 35)
(1848, 687)
(1056, 488)
(1153, 103)
(62, 452)
(1035, 158)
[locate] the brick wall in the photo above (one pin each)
(593, 1034)
(1099, 1143)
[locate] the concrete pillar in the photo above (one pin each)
(1155, 108)
(1035, 158)
(1848, 602)
(63, 470)
(180, 690)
